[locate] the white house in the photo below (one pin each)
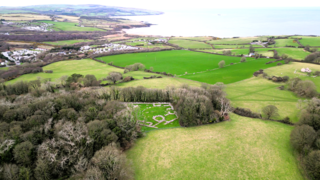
(306, 70)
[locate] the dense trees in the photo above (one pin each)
(313, 57)
(302, 88)
(305, 137)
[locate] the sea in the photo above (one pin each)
(231, 22)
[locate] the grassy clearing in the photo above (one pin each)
(160, 83)
(311, 41)
(295, 53)
(255, 93)
(149, 111)
(69, 26)
(242, 148)
(84, 67)
(289, 69)
(285, 42)
(189, 44)
(23, 17)
(67, 42)
(244, 40)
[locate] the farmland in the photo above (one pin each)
(311, 41)
(190, 44)
(84, 67)
(245, 40)
(23, 17)
(67, 42)
(285, 42)
(242, 148)
(295, 53)
(69, 26)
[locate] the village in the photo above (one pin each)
(19, 55)
(30, 25)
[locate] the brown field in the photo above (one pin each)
(18, 43)
(24, 17)
(69, 18)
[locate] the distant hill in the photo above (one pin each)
(78, 10)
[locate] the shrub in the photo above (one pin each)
(231, 63)
(302, 137)
(312, 163)
(48, 71)
(316, 73)
(243, 59)
(285, 78)
(112, 163)
(221, 64)
(246, 112)
(278, 64)
(23, 153)
(270, 111)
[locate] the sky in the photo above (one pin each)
(174, 4)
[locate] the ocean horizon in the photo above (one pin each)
(231, 22)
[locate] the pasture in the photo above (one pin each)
(67, 42)
(190, 44)
(197, 38)
(311, 41)
(24, 17)
(201, 67)
(84, 67)
(234, 46)
(160, 83)
(241, 148)
(295, 53)
(74, 19)
(69, 26)
(242, 40)
(294, 70)
(256, 92)
(285, 42)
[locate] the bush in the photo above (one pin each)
(285, 78)
(221, 64)
(48, 71)
(112, 163)
(270, 111)
(23, 153)
(278, 64)
(243, 59)
(246, 112)
(312, 163)
(302, 137)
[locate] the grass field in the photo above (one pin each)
(234, 46)
(244, 40)
(284, 42)
(311, 41)
(74, 19)
(67, 42)
(255, 93)
(289, 69)
(242, 148)
(84, 67)
(4, 68)
(160, 83)
(197, 38)
(194, 63)
(23, 17)
(69, 26)
(149, 111)
(190, 44)
(295, 53)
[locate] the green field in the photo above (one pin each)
(69, 26)
(311, 41)
(285, 42)
(190, 44)
(234, 46)
(255, 93)
(242, 148)
(295, 53)
(194, 63)
(84, 67)
(197, 38)
(4, 68)
(160, 83)
(67, 42)
(149, 111)
(244, 40)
